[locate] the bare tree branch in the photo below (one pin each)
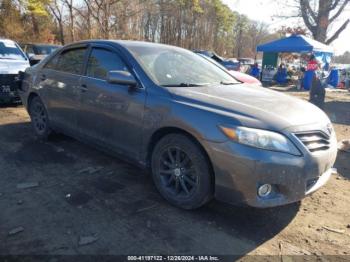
(340, 10)
(338, 32)
(304, 6)
(319, 15)
(334, 4)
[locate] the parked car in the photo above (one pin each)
(201, 132)
(229, 64)
(242, 77)
(37, 52)
(247, 61)
(12, 61)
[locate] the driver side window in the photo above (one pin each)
(52, 63)
(101, 61)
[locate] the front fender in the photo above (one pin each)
(165, 112)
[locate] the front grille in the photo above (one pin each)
(9, 85)
(314, 141)
(10, 81)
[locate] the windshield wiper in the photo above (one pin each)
(228, 83)
(186, 85)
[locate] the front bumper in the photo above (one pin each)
(240, 170)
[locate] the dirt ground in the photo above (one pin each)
(82, 201)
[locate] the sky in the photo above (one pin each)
(267, 10)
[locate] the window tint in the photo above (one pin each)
(71, 61)
(101, 61)
(52, 63)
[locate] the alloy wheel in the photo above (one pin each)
(177, 172)
(39, 117)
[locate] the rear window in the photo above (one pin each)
(70, 61)
(10, 50)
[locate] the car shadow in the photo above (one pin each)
(129, 206)
(11, 105)
(342, 164)
(338, 112)
(253, 224)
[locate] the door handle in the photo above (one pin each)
(83, 87)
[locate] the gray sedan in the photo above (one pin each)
(202, 133)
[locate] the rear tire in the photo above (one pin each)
(181, 172)
(39, 118)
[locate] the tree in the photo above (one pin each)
(103, 12)
(192, 24)
(35, 9)
(240, 30)
(343, 59)
(320, 15)
(69, 4)
(25, 20)
(11, 25)
(56, 8)
(257, 34)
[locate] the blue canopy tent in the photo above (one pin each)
(299, 44)
(295, 44)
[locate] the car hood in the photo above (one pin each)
(252, 106)
(9, 66)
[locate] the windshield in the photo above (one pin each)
(10, 50)
(172, 66)
(44, 49)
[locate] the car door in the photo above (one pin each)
(60, 78)
(110, 114)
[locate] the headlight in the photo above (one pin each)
(259, 138)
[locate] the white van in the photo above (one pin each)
(12, 61)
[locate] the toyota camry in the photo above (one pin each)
(201, 133)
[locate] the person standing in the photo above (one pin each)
(317, 91)
(301, 75)
(255, 71)
(312, 65)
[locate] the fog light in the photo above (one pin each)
(264, 190)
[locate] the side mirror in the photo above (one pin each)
(121, 78)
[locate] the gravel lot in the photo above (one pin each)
(64, 197)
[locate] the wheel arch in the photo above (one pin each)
(162, 132)
(30, 98)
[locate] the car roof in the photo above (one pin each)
(124, 43)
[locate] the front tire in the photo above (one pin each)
(181, 172)
(39, 118)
